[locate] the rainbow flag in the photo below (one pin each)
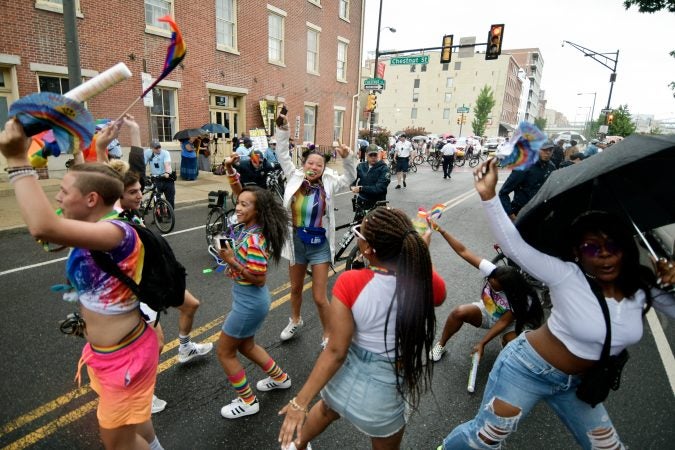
(523, 149)
(174, 54)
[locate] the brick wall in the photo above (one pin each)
(113, 31)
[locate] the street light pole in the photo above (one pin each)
(604, 61)
(377, 59)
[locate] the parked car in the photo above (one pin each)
(568, 136)
(492, 143)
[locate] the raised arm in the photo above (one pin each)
(281, 136)
(349, 165)
(456, 245)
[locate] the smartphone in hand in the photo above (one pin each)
(224, 242)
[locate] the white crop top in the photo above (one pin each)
(576, 317)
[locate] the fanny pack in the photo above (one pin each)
(312, 235)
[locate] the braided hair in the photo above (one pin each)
(391, 234)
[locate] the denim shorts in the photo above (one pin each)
(250, 306)
(488, 320)
(364, 392)
(310, 254)
(522, 378)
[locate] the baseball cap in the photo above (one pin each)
(547, 145)
(372, 148)
(273, 141)
(155, 144)
(402, 136)
(256, 156)
(248, 141)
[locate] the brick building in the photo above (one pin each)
(244, 57)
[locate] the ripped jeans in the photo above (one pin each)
(521, 378)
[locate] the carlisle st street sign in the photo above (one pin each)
(402, 60)
(373, 84)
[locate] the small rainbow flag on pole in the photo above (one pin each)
(523, 149)
(174, 54)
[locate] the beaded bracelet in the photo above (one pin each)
(18, 169)
(22, 174)
(297, 407)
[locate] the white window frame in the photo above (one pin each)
(416, 97)
(158, 28)
(448, 82)
(316, 30)
(57, 6)
(448, 97)
(53, 75)
(226, 22)
(309, 128)
(343, 7)
(173, 115)
(341, 65)
(413, 113)
(446, 113)
(276, 13)
(315, 2)
(338, 123)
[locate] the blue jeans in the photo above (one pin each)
(520, 377)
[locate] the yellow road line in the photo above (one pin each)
(68, 418)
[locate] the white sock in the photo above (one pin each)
(155, 445)
(184, 341)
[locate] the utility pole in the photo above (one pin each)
(72, 44)
(377, 60)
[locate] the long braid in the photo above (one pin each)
(391, 234)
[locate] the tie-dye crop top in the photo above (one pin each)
(99, 291)
(308, 205)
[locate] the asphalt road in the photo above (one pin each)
(43, 409)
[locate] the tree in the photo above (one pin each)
(622, 125)
(540, 122)
(651, 6)
(380, 136)
(415, 131)
(484, 104)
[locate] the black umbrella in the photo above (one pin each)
(189, 133)
(215, 128)
(633, 179)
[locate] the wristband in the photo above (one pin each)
(18, 169)
(22, 174)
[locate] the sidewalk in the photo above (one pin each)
(187, 193)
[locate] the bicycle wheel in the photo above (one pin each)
(165, 219)
(435, 164)
(412, 168)
(356, 260)
(419, 159)
(459, 162)
(473, 162)
(214, 224)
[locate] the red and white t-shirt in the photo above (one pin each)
(368, 294)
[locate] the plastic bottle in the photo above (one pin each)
(420, 222)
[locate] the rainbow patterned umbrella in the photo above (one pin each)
(523, 149)
(69, 120)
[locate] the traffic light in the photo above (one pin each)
(446, 50)
(372, 102)
(459, 120)
(463, 119)
(610, 118)
(494, 43)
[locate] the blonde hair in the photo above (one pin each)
(119, 166)
(99, 178)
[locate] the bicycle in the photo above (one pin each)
(163, 216)
(435, 159)
(218, 217)
(354, 256)
(276, 182)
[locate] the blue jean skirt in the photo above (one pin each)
(188, 168)
(250, 306)
(364, 392)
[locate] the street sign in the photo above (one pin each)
(373, 84)
(463, 110)
(606, 111)
(603, 129)
(403, 60)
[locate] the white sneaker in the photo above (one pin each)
(293, 447)
(269, 384)
(437, 352)
(238, 408)
(291, 329)
(193, 350)
(158, 404)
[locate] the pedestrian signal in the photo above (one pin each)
(494, 43)
(446, 50)
(371, 103)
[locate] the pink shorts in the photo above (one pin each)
(124, 377)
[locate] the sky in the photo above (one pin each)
(644, 41)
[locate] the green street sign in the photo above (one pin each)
(371, 81)
(463, 110)
(402, 60)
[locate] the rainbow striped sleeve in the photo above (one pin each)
(253, 253)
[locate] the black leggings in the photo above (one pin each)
(448, 164)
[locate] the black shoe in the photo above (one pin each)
(398, 186)
(445, 178)
(404, 185)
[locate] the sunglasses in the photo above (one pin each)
(594, 250)
(355, 230)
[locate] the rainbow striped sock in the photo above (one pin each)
(240, 384)
(274, 371)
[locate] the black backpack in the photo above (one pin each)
(163, 279)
